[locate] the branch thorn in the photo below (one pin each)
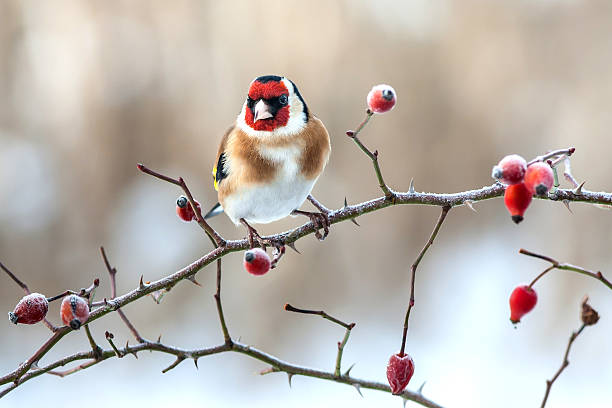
(347, 373)
(420, 390)
(411, 188)
(470, 204)
(289, 377)
(358, 388)
(567, 205)
(193, 280)
(292, 246)
(578, 190)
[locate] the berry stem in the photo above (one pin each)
(550, 268)
(372, 155)
(564, 364)
(566, 267)
(413, 269)
(568, 172)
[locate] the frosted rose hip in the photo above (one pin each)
(510, 170)
(257, 261)
(539, 178)
(381, 98)
(74, 311)
(31, 309)
(399, 372)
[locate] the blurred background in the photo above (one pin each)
(88, 89)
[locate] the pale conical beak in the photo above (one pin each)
(262, 111)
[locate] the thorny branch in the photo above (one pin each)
(30, 369)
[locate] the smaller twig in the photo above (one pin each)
(179, 360)
(97, 350)
(564, 364)
(113, 283)
(341, 345)
(109, 338)
(75, 369)
(372, 155)
(321, 313)
(413, 269)
(86, 293)
(554, 153)
(568, 172)
(567, 267)
(25, 288)
(226, 335)
(219, 241)
(15, 279)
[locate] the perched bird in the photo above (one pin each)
(270, 159)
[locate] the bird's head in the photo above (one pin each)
(273, 105)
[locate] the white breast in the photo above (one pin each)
(274, 200)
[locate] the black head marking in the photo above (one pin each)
(267, 78)
(297, 93)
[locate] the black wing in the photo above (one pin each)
(220, 173)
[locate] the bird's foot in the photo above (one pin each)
(320, 221)
(253, 236)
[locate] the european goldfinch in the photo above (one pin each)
(270, 159)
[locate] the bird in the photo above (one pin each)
(269, 160)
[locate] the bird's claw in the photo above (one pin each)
(320, 220)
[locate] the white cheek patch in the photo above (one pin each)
(296, 122)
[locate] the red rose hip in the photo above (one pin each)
(517, 198)
(184, 210)
(256, 261)
(510, 170)
(399, 372)
(30, 309)
(539, 178)
(522, 300)
(381, 98)
(74, 311)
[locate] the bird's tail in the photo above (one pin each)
(216, 210)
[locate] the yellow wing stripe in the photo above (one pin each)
(214, 174)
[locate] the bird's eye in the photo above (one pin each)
(250, 102)
(283, 99)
